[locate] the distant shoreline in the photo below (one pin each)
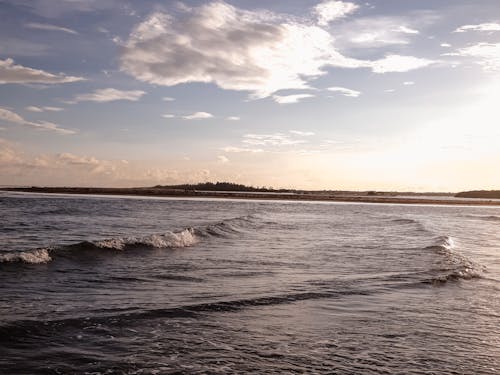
(305, 196)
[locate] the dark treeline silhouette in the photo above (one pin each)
(223, 186)
(485, 194)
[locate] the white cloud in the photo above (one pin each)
(198, 116)
(345, 91)
(406, 30)
(379, 31)
(487, 55)
(289, 99)
(329, 10)
(408, 83)
(11, 73)
(33, 108)
(479, 27)
(168, 99)
(222, 159)
(397, 63)
(233, 118)
(242, 149)
(49, 27)
(53, 109)
(255, 51)
(445, 45)
(14, 118)
(276, 139)
(301, 133)
(109, 95)
(168, 115)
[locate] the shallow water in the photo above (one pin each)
(154, 286)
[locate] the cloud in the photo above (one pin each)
(379, 31)
(33, 108)
(345, 91)
(109, 95)
(328, 11)
(445, 45)
(14, 118)
(406, 30)
(276, 139)
(408, 83)
(260, 52)
(397, 63)
(233, 118)
(487, 55)
(72, 159)
(168, 99)
(168, 115)
(11, 73)
(479, 27)
(222, 159)
(256, 51)
(289, 99)
(301, 133)
(198, 116)
(48, 27)
(242, 149)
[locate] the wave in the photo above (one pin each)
(36, 256)
(404, 221)
(185, 238)
(453, 266)
(484, 217)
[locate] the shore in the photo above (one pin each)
(306, 196)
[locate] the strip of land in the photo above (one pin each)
(362, 197)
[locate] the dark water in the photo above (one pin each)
(102, 285)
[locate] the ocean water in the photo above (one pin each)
(114, 285)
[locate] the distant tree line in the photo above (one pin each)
(485, 194)
(223, 186)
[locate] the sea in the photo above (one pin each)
(129, 285)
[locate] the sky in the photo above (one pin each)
(377, 95)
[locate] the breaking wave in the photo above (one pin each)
(185, 238)
(453, 266)
(36, 256)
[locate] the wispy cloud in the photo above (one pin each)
(233, 118)
(14, 118)
(478, 27)
(290, 99)
(33, 108)
(222, 159)
(345, 91)
(242, 149)
(12, 73)
(331, 10)
(109, 95)
(198, 116)
(380, 31)
(397, 63)
(408, 83)
(49, 27)
(302, 133)
(275, 139)
(486, 54)
(168, 99)
(168, 115)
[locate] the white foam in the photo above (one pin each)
(37, 256)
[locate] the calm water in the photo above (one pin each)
(103, 285)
